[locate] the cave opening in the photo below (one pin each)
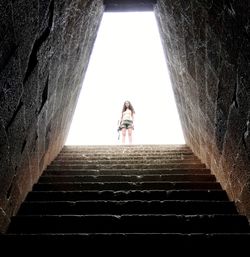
(127, 63)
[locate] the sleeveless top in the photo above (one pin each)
(127, 115)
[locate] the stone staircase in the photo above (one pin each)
(156, 194)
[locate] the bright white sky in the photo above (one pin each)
(127, 63)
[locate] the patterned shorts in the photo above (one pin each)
(127, 124)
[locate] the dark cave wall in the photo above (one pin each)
(45, 46)
(207, 49)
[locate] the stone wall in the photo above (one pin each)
(208, 55)
(45, 46)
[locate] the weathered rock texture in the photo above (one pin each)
(208, 54)
(129, 5)
(45, 47)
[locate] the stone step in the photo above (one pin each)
(121, 161)
(127, 178)
(215, 194)
(126, 149)
(152, 148)
(187, 207)
(116, 186)
(164, 238)
(153, 223)
(129, 166)
(123, 157)
(121, 154)
(157, 244)
(140, 172)
(115, 156)
(138, 153)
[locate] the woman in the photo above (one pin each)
(127, 121)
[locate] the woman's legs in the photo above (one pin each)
(130, 129)
(130, 135)
(123, 135)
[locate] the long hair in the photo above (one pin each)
(130, 107)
